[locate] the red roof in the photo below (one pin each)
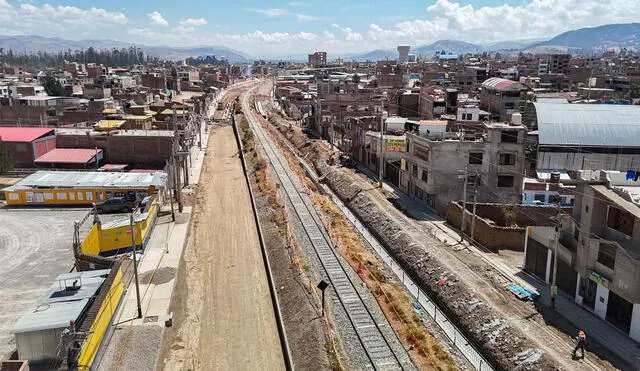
(68, 156)
(12, 134)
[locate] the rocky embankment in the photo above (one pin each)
(506, 347)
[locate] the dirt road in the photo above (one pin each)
(223, 316)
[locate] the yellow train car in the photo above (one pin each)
(81, 188)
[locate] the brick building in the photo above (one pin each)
(27, 144)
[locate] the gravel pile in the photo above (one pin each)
(503, 344)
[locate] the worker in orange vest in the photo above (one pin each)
(582, 338)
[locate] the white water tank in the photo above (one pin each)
(403, 53)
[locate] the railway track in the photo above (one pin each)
(379, 352)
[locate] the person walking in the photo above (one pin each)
(582, 338)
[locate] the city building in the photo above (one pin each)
(318, 59)
(586, 136)
(436, 161)
(501, 97)
(27, 144)
(598, 253)
(81, 187)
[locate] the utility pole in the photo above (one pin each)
(135, 263)
(171, 181)
(473, 218)
(383, 129)
(464, 203)
(176, 161)
(554, 288)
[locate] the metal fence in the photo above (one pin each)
(455, 336)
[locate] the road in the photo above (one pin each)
(223, 315)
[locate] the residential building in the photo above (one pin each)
(598, 249)
(318, 59)
(436, 160)
(501, 97)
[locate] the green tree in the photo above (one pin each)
(356, 78)
(6, 161)
(53, 87)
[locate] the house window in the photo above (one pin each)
(414, 171)
(505, 181)
(431, 200)
(607, 255)
(467, 116)
(21, 147)
(421, 153)
(539, 197)
(507, 159)
(425, 176)
(475, 158)
(620, 220)
(509, 137)
(509, 105)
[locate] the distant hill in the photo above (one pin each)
(449, 46)
(511, 45)
(623, 35)
(53, 44)
(374, 55)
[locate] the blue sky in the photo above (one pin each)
(269, 28)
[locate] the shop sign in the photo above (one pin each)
(396, 145)
(598, 278)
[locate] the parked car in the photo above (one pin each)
(116, 205)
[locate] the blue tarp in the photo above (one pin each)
(522, 293)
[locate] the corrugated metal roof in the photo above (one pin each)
(90, 179)
(69, 156)
(588, 125)
(57, 307)
(11, 134)
(502, 84)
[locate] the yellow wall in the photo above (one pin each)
(64, 196)
(101, 241)
(101, 323)
(91, 244)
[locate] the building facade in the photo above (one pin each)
(598, 251)
(494, 161)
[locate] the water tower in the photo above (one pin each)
(403, 53)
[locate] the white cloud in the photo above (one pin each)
(157, 19)
(296, 3)
(184, 30)
(279, 12)
(55, 20)
(306, 17)
(531, 19)
(271, 13)
(194, 22)
(349, 34)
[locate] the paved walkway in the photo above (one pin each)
(600, 334)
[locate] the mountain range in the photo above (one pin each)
(585, 40)
(55, 44)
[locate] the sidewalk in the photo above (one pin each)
(133, 343)
(601, 336)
